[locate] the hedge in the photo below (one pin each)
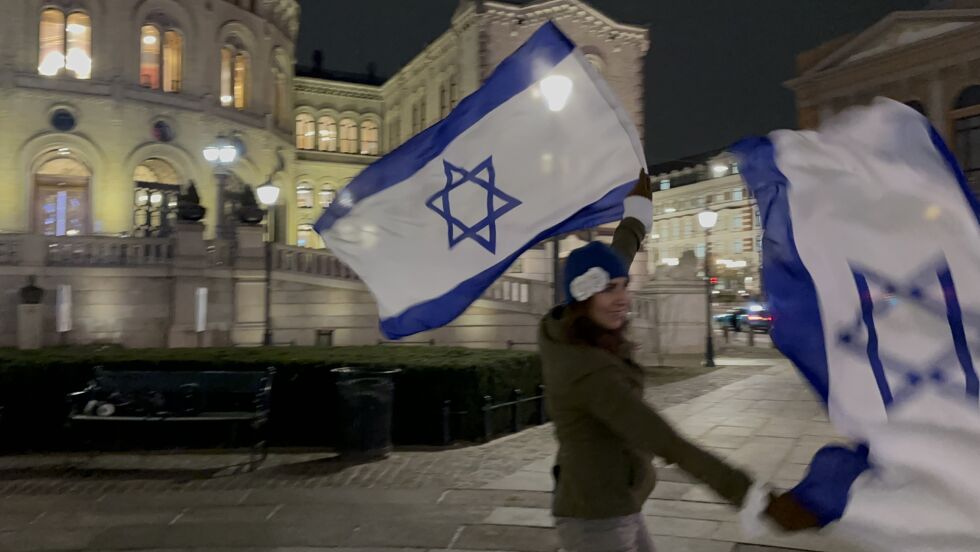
(34, 384)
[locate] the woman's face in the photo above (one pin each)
(609, 308)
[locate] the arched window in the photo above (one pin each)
(65, 44)
(326, 196)
(306, 236)
(966, 128)
(327, 134)
(61, 195)
(304, 196)
(305, 132)
(235, 74)
(348, 136)
(157, 187)
(369, 138)
(161, 58)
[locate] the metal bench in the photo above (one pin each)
(146, 396)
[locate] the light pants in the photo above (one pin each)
(621, 534)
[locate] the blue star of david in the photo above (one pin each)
(458, 230)
(941, 372)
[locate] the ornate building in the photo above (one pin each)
(111, 108)
(929, 59)
(106, 107)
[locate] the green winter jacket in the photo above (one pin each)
(607, 434)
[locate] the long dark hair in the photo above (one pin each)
(580, 329)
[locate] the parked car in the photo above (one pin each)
(731, 319)
(753, 317)
(759, 321)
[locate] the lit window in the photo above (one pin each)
(348, 136)
(173, 60)
(665, 184)
(235, 69)
(305, 236)
(737, 194)
(160, 59)
(150, 49)
(241, 80)
(78, 58)
(327, 134)
(305, 132)
(65, 44)
(369, 138)
(326, 196)
(304, 196)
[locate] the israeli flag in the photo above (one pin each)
(542, 149)
(871, 262)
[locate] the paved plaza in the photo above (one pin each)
(754, 411)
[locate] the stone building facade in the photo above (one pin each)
(929, 59)
(107, 108)
(97, 95)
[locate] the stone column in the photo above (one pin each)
(678, 322)
(190, 261)
(249, 294)
(936, 107)
(30, 326)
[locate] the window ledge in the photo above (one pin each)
(63, 84)
(336, 157)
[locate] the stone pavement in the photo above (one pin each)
(755, 412)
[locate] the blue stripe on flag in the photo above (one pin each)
(442, 310)
(954, 167)
(874, 355)
(529, 64)
(790, 288)
(955, 317)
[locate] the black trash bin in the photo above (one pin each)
(366, 400)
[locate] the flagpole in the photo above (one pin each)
(556, 268)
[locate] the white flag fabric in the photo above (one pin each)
(542, 148)
(871, 261)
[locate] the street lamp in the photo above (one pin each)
(221, 154)
(707, 219)
(268, 194)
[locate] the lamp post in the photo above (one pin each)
(707, 219)
(268, 194)
(221, 154)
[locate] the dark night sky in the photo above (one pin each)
(714, 72)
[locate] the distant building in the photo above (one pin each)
(928, 59)
(682, 189)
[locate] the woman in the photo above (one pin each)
(607, 435)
